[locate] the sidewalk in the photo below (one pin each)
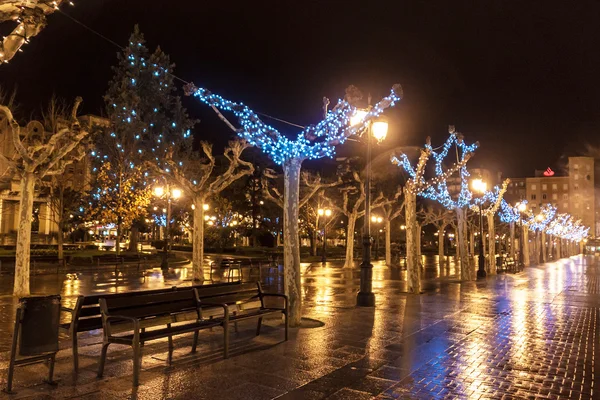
(529, 335)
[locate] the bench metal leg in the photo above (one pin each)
(137, 355)
(143, 331)
(170, 357)
(50, 379)
(102, 359)
(258, 326)
(195, 343)
(75, 352)
(225, 340)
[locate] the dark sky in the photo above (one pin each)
(522, 77)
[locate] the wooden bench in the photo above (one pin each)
(109, 260)
(122, 318)
(85, 315)
(229, 265)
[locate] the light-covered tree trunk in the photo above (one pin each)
(525, 250)
(21, 287)
(544, 248)
(466, 271)
(198, 240)
(349, 262)
(512, 240)
(412, 255)
(388, 243)
(441, 245)
(491, 243)
(558, 249)
(419, 234)
(291, 242)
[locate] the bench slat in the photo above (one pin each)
(149, 298)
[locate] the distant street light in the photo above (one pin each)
(325, 213)
(479, 186)
(377, 220)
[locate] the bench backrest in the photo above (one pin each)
(236, 293)
(146, 305)
(88, 314)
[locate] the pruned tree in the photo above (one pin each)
(313, 142)
(201, 176)
(39, 156)
(490, 203)
(391, 210)
(436, 189)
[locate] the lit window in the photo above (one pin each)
(576, 205)
(566, 205)
(533, 187)
(554, 186)
(544, 187)
(566, 186)
(576, 166)
(576, 177)
(554, 196)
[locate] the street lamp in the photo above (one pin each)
(324, 213)
(159, 191)
(479, 186)
(377, 220)
(378, 130)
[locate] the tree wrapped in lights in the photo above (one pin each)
(538, 224)
(509, 215)
(195, 174)
(313, 142)
(490, 203)
(38, 156)
(436, 189)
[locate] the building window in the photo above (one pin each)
(544, 196)
(566, 205)
(533, 196)
(510, 185)
(576, 205)
(554, 196)
(554, 186)
(533, 187)
(566, 186)
(576, 166)
(565, 196)
(576, 187)
(576, 177)
(544, 187)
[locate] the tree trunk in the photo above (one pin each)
(21, 286)
(388, 242)
(512, 240)
(313, 242)
(198, 240)
(441, 245)
(558, 249)
(349, 262)
(291, 243)
(525, 250)
(134, 235)
(412, 253)
(419, 234)
(466, 271)
(61, 213)
(491, 243)
(544, 248)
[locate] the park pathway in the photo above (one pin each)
(532, 335)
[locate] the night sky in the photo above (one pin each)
(522, 77)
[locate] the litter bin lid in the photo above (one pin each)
(39, 324)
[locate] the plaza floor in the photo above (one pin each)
(532, 335)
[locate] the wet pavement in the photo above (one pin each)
(532, 335)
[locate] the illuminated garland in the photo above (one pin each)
(315, 141)
(493, 198)
(436, 188)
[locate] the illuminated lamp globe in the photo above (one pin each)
(521, 207)
(328, 212)
(379, 129)
(205, 207)
(159, 191)
(358, 117)
(176, 193)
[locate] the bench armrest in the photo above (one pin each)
(225, 307)
(283, 296)
(135, 321)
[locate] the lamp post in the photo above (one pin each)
(480, 186)
(168, 193)
(378, 221)
(378, 130)
(521, 207)
(325, 213)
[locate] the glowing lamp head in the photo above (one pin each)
(321, 211)
(521, 207)
(379, 129)
(402, 227)
(159, 191)
(205, 207)
(379, 220)
(193, 206)
(539, 217)
(358, 117)
(176, 193)
(373, 219)
(478, 185)
(328, 212)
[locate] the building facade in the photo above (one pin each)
(574, 193)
